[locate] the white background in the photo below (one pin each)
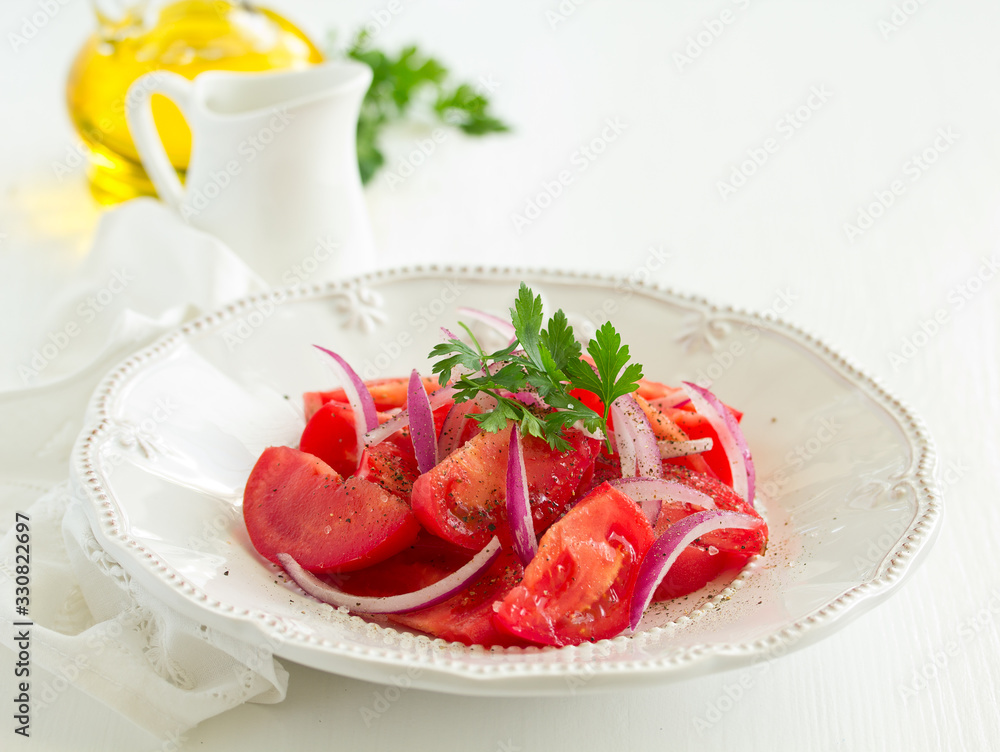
(891, 91)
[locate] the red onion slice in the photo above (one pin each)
(504, 328)
(731, 437)
(635, 440)
(673, 401)
(671, 449)
(522, 528)
(394, 604)
(526, 398)
(650, 492)
(422, 431)
(402, 418)
(365, 415)
(665, 550)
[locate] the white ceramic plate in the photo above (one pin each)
(844, 475)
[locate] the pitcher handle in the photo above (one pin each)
(139, 116)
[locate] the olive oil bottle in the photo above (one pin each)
(184, 36)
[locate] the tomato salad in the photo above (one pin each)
(479, 513)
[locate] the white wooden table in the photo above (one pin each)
(835, 163)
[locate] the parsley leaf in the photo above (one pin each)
(609, 382)
(560, 342)
(526, 316)
(547, 362)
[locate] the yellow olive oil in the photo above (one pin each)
(186, 37)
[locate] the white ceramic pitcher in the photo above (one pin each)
(273, 169)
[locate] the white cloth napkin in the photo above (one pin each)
(94, 627)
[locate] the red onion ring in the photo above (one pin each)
(635, 440)
(730, 436)
(665, 550)
(422, 431)
(394, 604)
(522, 528)
(671, 449)
(649, 494)
(365, 415)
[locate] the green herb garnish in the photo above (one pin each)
(546, 362)
(401, 82)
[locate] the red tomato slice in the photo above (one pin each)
(744, 542)
(422, 563)
(463, 499)
(694, 569)
(392, 466)
(696, 426)
(331, 435)
(590, 399)
(388, 394)
(651, 390)
(579, 585)
(468, 616)
(295, 503)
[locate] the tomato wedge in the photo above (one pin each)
(579, 585)
(295, 503)
(425, 561)
(388, 394)
(463, 499)
(744, 542)
(392, 466)
(695, 568)
(468, 617)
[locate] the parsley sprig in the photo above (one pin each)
(547, 362)
(401, 84)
